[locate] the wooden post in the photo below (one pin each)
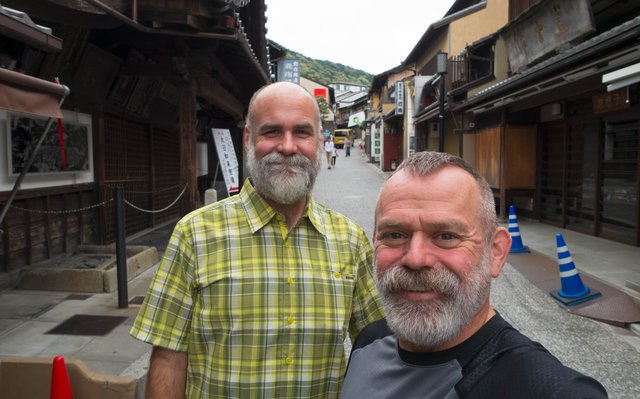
(121, 246)
(502, 210)
(188, 147)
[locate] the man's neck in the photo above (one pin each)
(291, 212)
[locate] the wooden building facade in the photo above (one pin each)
(148, 81)
(555, 127)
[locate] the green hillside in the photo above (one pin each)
(326, 72)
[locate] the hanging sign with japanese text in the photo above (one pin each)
(289, 71)
(227, 159)
(399, 97)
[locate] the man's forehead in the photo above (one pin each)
(281, 89)
(449, 185)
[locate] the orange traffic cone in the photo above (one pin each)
(60, 385)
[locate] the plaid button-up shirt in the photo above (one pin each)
(261, 310)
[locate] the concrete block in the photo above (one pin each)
(30, 377)
(139, 259)
(61, 280)
(102, 277)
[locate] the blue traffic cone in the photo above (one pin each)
(517, 247)
(573, 290)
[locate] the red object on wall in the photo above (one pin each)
(391, 148)
(320, 92)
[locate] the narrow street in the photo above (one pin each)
(351, 187)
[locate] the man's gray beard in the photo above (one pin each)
(280, 183)
(434, 322)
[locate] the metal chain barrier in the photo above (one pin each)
(112, 186)
(66, 211)
(158, 210)
(103, 203)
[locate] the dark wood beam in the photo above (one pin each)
(219, 97)
(205, 62)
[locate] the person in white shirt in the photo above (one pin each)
(328, 148)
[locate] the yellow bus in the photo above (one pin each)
(339, 136)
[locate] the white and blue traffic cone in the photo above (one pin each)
(517, 247)
(573, 290)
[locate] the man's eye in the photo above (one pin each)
(392, 238)
(447, 240)
(447, 236)
(303, 133)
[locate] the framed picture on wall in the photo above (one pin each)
(23, 133)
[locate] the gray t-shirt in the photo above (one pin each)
(496, 362)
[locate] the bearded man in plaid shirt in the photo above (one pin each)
(256, 293)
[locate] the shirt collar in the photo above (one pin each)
(259, 212)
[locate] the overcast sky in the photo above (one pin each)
(373, 35)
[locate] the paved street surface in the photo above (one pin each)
(610, 354)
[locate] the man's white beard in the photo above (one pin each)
(435, 322)
(283, 179)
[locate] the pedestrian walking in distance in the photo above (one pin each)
(329, 149)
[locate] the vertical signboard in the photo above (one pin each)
(289, 71)
(410, 128)
(376, 144)
(400, 97)
(227, 159)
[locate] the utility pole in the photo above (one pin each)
(441, 70)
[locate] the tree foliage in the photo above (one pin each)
(325, 72)
(324, 108)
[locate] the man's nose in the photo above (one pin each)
(418, 253)
(288, 144)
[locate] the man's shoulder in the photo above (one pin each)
(372, 332)
(512, 364)
(335, 219)
(222, 207)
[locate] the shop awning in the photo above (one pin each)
(356, 119)
(24, 93)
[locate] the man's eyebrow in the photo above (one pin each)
(269, 126)
(448, 225)
(388, 224)
(277, 126)
(304, 126)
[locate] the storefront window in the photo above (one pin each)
(582, 161)
(619, 183)
(551, 176)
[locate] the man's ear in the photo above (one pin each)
(500, 246)
(245, 139)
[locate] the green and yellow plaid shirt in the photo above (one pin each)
(262, 311)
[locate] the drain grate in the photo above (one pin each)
(83, 324)
(136, 300)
